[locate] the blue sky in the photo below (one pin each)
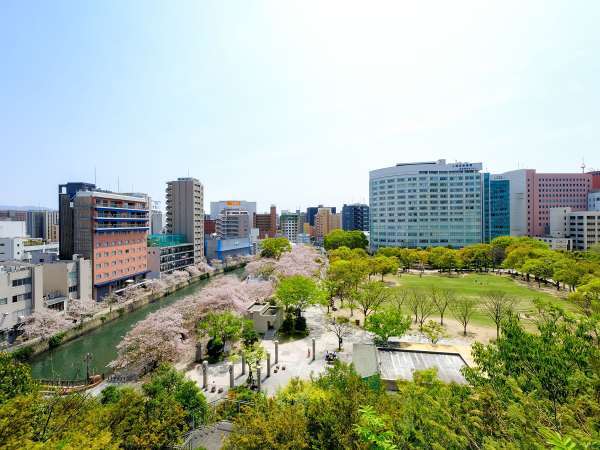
(289, 103)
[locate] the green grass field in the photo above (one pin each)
(477, 285)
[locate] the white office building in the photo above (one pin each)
(426, 204)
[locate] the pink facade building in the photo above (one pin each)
(111, 229)
(532, 195)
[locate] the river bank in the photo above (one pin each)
(38, 346)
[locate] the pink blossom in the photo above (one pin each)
(302, 260)
(80, 308)
(160, 337)
(44, 323)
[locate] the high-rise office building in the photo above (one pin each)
(266, 223)
(355, 217)
(311, 212)
(426, 204)
(66, 194)
(496, 207)
(35, 224)
(110, 229)
(217, 207)
(185, 212)
(40, 224)
(533, 194)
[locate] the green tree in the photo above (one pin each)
(540, 268)
(221, 327)
(370, 296)
(387, 323)
(15, 378)
(477, 256)
(296, 293)
(253, 354)
(554, 365)
(270, 426)
(166, 380)
(340, 326)
(433, 331)
(443, 259)
(373, 430)
(340, 238)
(274, 247)
(383, 265)
(139, 421)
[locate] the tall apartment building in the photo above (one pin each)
(66, 195)
(311, 212)
(325, 222)
(233, 223)
(533, 194)
(185, 212)
(110, 229)
(426, 204)
(355, 217)
(496, 207)
(266, 223)
(292, 224)
(217, 207)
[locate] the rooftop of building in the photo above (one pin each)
(399, 364)
(426, 166)
(166, 240)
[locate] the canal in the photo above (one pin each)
(68, 360)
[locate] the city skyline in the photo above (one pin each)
(248, 97)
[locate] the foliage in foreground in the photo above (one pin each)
(532, 390)
(155, 417)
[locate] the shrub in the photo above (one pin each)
(300, 324)
(23, 354)
(56, 340)
(287, 325)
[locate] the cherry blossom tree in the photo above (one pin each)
(160, 337)
(80, 308)
(44, 323)
(204, 267)
(302, 260)
(193, 271)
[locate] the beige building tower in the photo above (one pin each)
(185, 212)
(325, 222)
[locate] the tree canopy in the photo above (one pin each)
(340, 238)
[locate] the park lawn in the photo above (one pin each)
(477, 285)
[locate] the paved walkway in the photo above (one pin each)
(293, 356)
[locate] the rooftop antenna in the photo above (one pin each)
(118, 185)
(94, 175)
(582, 165)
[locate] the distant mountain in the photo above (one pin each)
(24, 208)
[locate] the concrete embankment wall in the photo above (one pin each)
(40, 345)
